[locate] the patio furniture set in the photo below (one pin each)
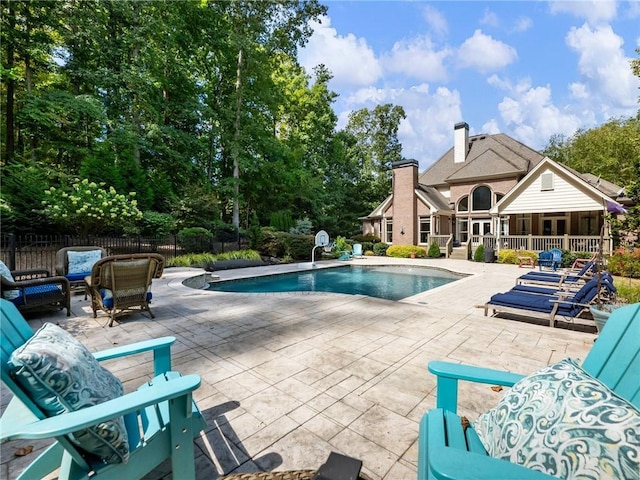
(117, 284)
(117, 435)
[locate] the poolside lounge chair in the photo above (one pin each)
(583, 275)
(451, 448)
(563, 288)
(550, 259)
(61, 392)
(568, 305)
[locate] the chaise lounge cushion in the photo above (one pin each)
(563, 422)
(61, 375)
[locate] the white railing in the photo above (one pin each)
(573, 243)
(445, 242)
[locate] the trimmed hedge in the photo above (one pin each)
(405, 251)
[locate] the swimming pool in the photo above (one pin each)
(391, 283)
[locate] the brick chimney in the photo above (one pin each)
(461, 142)
(405, 206)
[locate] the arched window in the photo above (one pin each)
(463, 204)
(481, 198)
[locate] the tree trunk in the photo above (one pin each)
(235, 153)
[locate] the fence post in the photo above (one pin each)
(566, 242)
(12, 252)
(139, 244)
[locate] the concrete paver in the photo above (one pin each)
(288, 378)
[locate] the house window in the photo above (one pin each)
(425, 229)
(388, 230)
(523, 224)
(463, 204)
(481, 198)
(588, 224)
(546, 182)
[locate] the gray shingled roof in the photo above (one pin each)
(435, 197)
(489, 156)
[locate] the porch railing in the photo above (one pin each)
(445, 242)
(573, 243)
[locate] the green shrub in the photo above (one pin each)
(569, 257)
(195, 239)
(405, 251)
(367, 246)
(156, 224)
(303, 227)
(625, 263)
(509, 256)
(192, 260)
(369, 238)
(369, 253)
(380, 249)
(272, 244)
(281, 221)
(434, 250)
(478, 255)
(627, 291)
(239, 255)
(255, 232)
(299, 247)
(342, 245)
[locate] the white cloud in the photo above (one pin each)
(522, 24)
(579, 90)
(481, 52)
(605, 69)
(595, 11)
(531, 116)
(417, 58)
(350, 60)
(436, 21)
(489, 18)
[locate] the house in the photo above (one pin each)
(494, 190)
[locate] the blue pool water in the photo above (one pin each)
(391, 283)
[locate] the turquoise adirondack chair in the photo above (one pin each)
(161, 418)
(447, 450)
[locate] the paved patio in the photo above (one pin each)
(288, 378)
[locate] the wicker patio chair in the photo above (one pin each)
(35, 289)
(77, 271)
(122, 283)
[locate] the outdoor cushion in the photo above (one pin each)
(563, 422)
(41, 291)
(107, 297)
(6, 273)
(81, 263)
(61, 375)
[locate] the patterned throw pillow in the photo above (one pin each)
(6, 273)
(563, 422)
(82, 262)
(61, 375)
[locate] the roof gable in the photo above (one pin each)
(564, 191)
(489, 156)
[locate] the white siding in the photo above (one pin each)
(565, 197)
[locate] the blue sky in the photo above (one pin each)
(530, 69)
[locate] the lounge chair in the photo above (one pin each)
(568, 305)
(35, 289)
(550, 259)
(121, 283)
(581, 276)
(450, 448)
(563, 288)
(60, 391)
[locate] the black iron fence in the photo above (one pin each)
(22, 252)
